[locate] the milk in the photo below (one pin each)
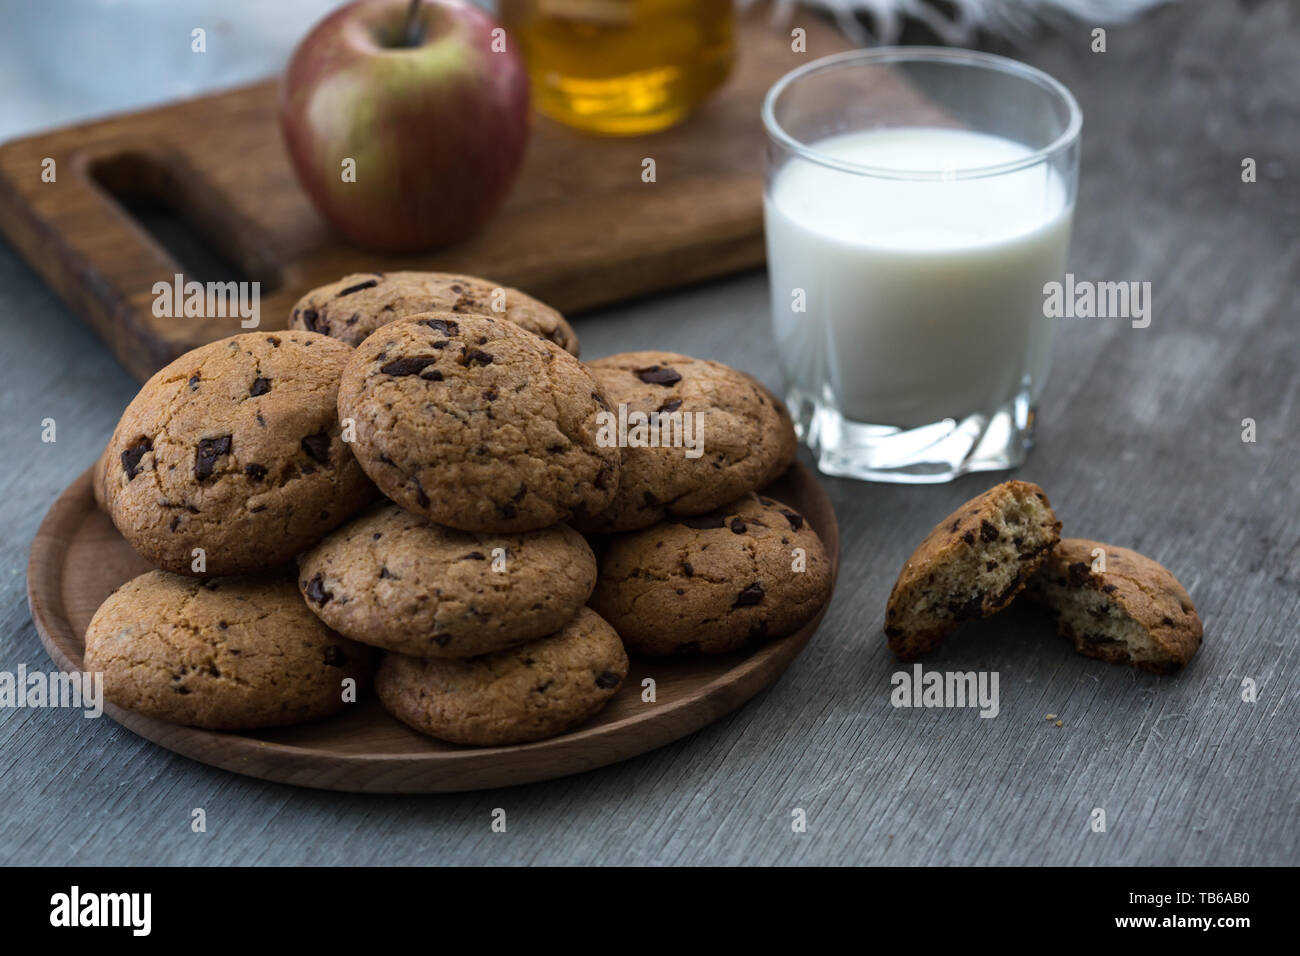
(922, 300)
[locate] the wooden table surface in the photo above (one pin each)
(1140, 445)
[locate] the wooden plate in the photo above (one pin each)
(78, 559)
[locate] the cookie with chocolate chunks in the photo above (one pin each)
(352, 308)
(971, 565)
(225, 654)
(476, 424)
(694, 435)
(235, 449)
(1117, 605)
(398, 581)
(525, 693)
(711, 583)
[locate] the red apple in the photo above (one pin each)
(435, 120)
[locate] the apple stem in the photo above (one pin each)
(412, 32)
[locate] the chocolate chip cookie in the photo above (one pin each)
(971, 565)
(355, 306)
(226, 654)
(710, 435)
(398, 581)
(235, 449)
(529, 692)
(710, 583)
(1134, 612)
(477, 424)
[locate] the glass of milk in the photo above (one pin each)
(917, 202)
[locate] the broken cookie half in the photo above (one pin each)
(971, 565)
(1118, 605)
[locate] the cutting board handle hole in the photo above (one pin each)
(184, 218)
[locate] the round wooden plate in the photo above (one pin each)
(78, 559)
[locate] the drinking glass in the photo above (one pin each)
(918, 201)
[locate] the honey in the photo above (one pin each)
(621, 67)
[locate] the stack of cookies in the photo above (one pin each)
(430, 452)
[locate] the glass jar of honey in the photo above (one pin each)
(621, 67)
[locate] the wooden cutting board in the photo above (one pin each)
(580, 230)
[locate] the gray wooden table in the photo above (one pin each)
(1140, 445)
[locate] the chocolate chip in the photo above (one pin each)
(1108, 588)
(969, 537)
(607, 679)
(368, 284)
(1098, 640)
(1079, 574)
(384, 573)
(132, 455)
(260, 386)
(738, 526)
(408, 366)
(990, 565)
(334, 656)
(309, 317)
(1167, 621)
(688, 569)
(796, 520)
(316, 590)
(703, 522)
(671, 405)
(442, 640)
(194, 382)
(473, 556)
(207, 453)
(750, 596)
(659, 375)
(275, 342)
(256, 472)
(473, 357)
(988, 532)
(318, 447)
(176, 522)
(445, 326)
